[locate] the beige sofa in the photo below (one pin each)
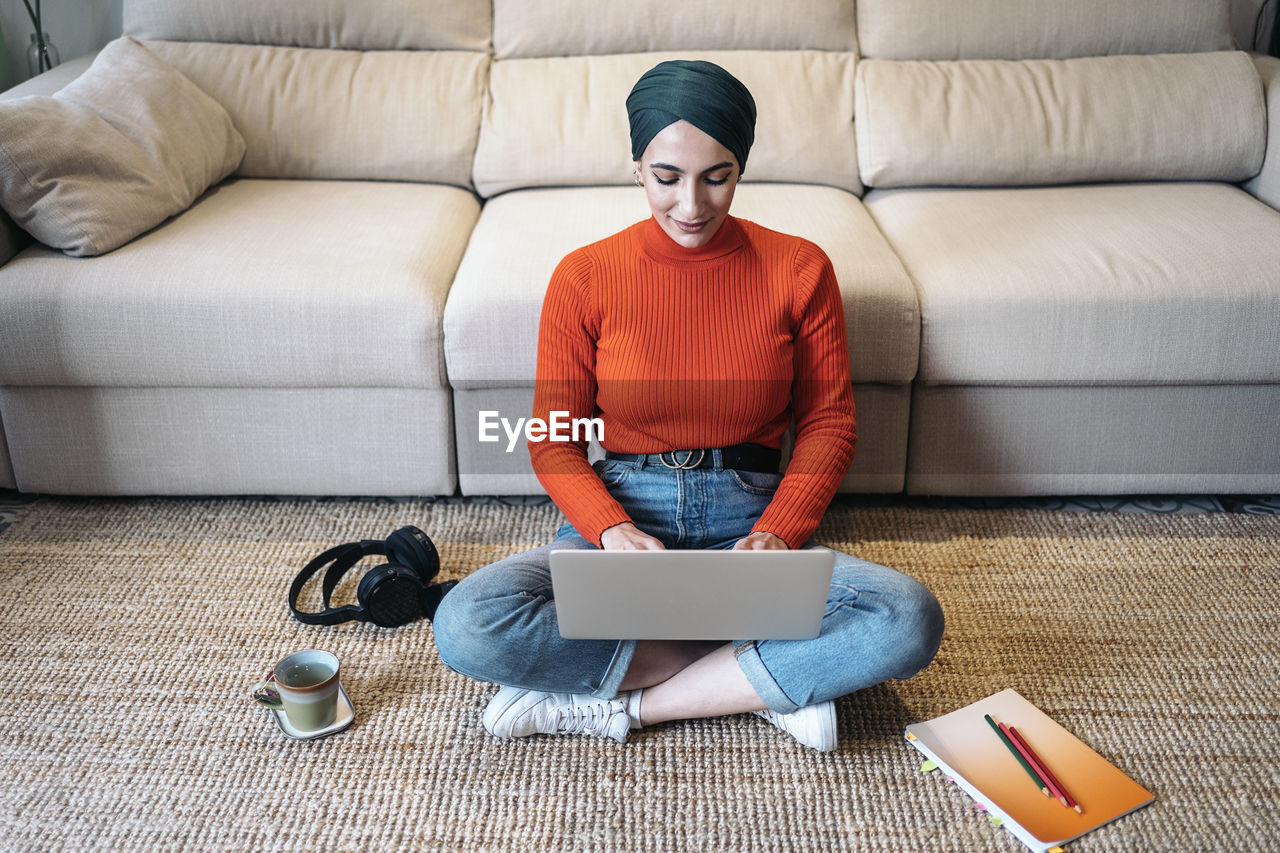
(1054, 226)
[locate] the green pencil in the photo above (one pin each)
(1018, 755)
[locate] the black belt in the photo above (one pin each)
(740, 457)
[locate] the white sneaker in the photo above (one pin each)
(516, 712)
(812, 725)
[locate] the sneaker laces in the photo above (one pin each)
(586, 718)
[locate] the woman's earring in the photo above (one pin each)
(639, 182)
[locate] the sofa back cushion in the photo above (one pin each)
(523, 29)
(1109, 118)
(343, 114)
(556, 113)
(1040, 29)
(393, 92)
(341, 24)
(562, 121)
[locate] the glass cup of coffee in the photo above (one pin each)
(305, 684)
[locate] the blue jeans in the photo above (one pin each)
(499, 624)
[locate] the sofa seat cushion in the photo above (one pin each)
(1114, 283)
(258, 284)
(521, 236)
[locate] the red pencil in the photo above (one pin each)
(1028, 758)
(1054, 785)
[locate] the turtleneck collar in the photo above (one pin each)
(660, 247)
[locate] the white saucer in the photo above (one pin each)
(345, 717)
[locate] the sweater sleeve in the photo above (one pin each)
(822, 404)
(566, 383)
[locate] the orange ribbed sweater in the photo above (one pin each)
(674, 348)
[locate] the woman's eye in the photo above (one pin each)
(717, 182)
(666, 183)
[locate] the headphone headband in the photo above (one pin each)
(383, 593)
(328, 617)
(351, 554)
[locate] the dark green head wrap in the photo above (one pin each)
(703, 94)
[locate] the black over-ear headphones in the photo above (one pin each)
(392, 594)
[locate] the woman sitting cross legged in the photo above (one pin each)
(690, 333)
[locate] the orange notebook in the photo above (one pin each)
(965, 747)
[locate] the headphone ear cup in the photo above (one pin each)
(390, 595)
(410, 547)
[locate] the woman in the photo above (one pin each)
(695, 338)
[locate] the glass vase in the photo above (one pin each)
(41, 57)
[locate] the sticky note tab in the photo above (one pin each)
(929, 766)
(995, 821)
(911, 736)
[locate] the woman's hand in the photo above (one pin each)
(760, 541)
(627, 537)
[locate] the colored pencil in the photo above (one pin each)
(1035, 777)
(1054, 785)
(1035, 765)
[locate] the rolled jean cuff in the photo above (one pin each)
(761, 679)
(616, 671)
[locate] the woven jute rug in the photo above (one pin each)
(132, 631)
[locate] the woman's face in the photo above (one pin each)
(689, 179)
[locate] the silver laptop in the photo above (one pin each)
(691, 595)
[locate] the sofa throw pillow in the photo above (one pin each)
(125, 146)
